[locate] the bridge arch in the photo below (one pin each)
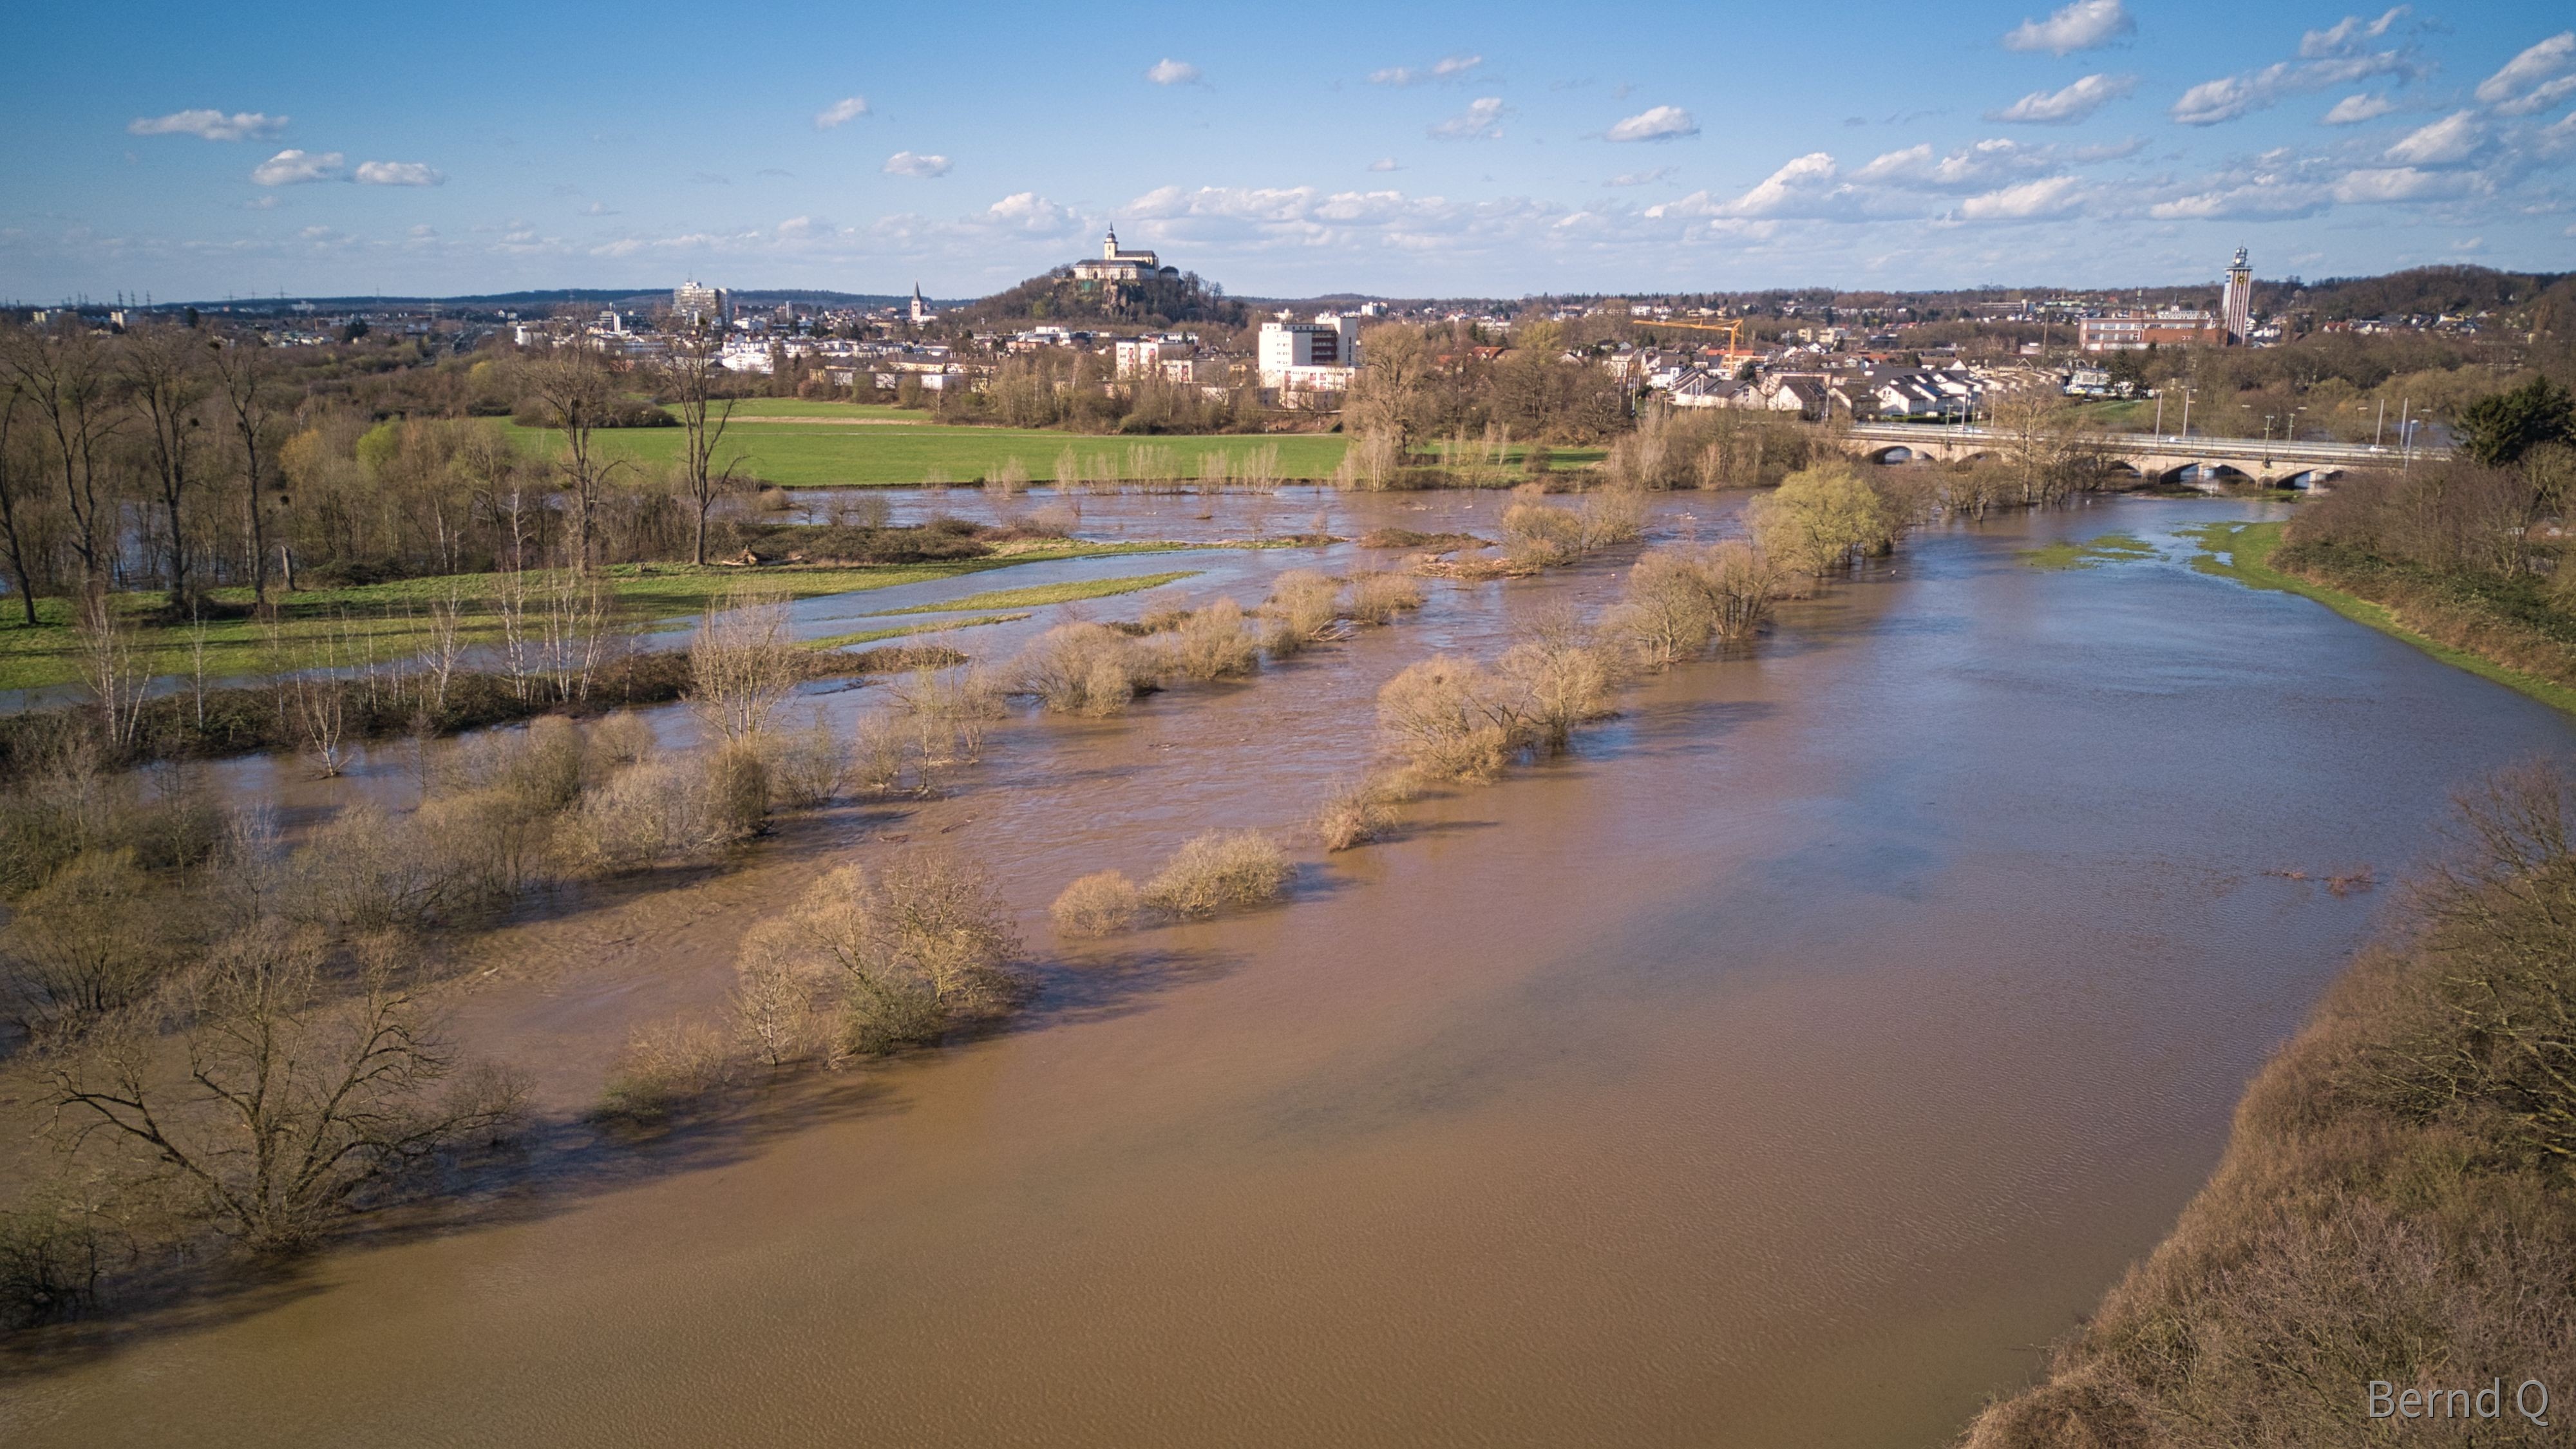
(1897, 453)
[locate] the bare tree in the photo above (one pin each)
(166, 380)
(114, 667)
(742, 664)
(292, 1109)
(573, 389)
(695, 367)
(64, 376)
(240, 369)
(15, 482)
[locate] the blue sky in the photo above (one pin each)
(200, 151)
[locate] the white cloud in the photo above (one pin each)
(1661, 123)
(2066, 107)
(2446, 142)
(1806, 186)
(2229, 97)
(907, 163)
(1026, 211)
(2353, 110)
(1640, 178)
(265, 202)
(2243, 203)
(1384, 163)
(209, 125)
(2395, 183)
(1170, 72)
(398, 173)
(840, 112)
(2345, 36)
(2048, 196)
(1481, 121)
(424, 230)
(2524, 85)
(2084, 25)
(290, 166)
(597, 208)
(1447, 68)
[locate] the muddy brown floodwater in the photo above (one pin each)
(1784, 1067)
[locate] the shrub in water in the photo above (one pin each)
(1221, 870)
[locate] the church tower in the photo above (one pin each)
(2236, 303)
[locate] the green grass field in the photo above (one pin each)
(393, 621)
(824, 445)
(2107, 548)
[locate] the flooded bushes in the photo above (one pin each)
(1378, 596)
(85, 943)
(664, 1068)
(1354, 815)
(1212, 642)
(1824, 518)
(1304, 608)
(1450, 718)
(1681, 598)
(2395, 1203)
(1100, 904)
(1221, 870)
(1083, 668)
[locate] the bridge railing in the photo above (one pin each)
(2162, 444)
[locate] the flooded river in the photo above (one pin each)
(1784, 1067)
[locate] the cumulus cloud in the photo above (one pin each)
(2395, 183)
(1026, 211)
(290, 167)
(908, 163)
(1661, 123)
(840, 112)
(2068, 106)
(1170, 72)
(2353, 110)
(1448, 68)
(2243, 203)
(2029, 201)
(2534, 80)
(2447, 142)
(209, 125)
(2348, 36)
(2230, 97)
(1481, 121)
(1384, 163)
(1806, 186)
(2084, 25)
(398, 173)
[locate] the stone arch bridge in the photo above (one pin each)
(2154, 458)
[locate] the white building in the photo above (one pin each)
(1113, 265)
(1289, 348)
(692, 303)
(920, 309)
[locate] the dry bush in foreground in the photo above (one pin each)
(1536, 535)
(1451, 718)
(2395, 1203)
(1100, 904)
(1681, 598)
(666, 1068)
(1221, 870)
(1559, 679)
(289, 1105)
(1377, 597)
(806, 769)
(1082, 668)
(88, 942)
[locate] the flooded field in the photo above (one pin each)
(1786, 1066)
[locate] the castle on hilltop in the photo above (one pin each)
(1115, 266)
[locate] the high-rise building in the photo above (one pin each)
(691, 302)
(2236, 303)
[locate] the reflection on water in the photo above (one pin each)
(1785, 1067)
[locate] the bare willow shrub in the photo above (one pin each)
(1212, 642)
(1536, 535)
(1450, 718)
(642, 816)
(808, 768)
(64, 805)
(742, 663)
(621, 739)
(365, 870)
(1679, 598)
(87, 942)
(1378, 596)
(1559, 677)
(911, 949)
(951, 711)
(1100, 904)
(1609, 516)
(542, 766)
(878, 751)
(778, 1013)
(1304, 608)
(1355, 814)
(485, 846)
(1219, 871)
(1082, 668)
(737, 789)
(666, 1068)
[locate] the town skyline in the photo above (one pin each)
(1438, 153)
